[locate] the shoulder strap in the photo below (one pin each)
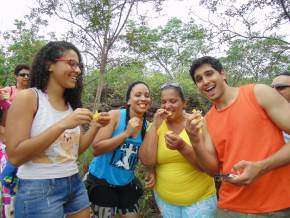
(37, 100)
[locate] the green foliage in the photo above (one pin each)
(24, 48)
(22, 45)
(169, 48)
(96, 27)
(120, 77)
(90, 87)
(4, 73)
(148, 207)
(84, 160)
(255, 60)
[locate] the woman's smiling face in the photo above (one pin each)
(140, 99)
(172, 101)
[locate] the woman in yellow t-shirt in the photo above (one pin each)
(182, 190)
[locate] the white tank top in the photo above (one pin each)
(59, 159)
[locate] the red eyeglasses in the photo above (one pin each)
(74, 64)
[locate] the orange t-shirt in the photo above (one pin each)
(243, 131)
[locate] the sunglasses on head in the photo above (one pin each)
(168, 85)
(280, 86)
(24, 75)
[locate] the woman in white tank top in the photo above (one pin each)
(44, 137)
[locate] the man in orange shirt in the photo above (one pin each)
(241, 139)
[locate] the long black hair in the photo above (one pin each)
(40, 75)
(129, 90)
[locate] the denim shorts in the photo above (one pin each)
(202, 209)
(50, 198)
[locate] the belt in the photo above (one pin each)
(97, 181)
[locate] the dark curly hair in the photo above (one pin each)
(40, 75)
(215, 63)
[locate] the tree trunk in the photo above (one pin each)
(101, 82)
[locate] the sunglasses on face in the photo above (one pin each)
(280, 86)
(73, 64)
(24, 75)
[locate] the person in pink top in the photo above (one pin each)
(7, 94)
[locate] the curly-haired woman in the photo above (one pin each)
(44, 137)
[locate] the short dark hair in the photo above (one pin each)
(215, 63)
(20, 67)
(285, 73)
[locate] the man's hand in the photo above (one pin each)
(246, 172)
(193, 126)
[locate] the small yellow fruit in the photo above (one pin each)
(201, 118)
(169, 113)
(96, 116)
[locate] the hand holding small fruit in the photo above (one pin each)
(102, 119)
(78, 117)
(193, 125)
(133, 127)
(173, 141)
(160, 115)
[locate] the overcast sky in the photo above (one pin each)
(11, 10)
(16, 9)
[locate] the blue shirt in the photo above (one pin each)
(286, 137)
(117, 167)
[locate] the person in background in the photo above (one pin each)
(8, 172)
(241, 140)
(182, 190)
(47, 120)
(6, 194)
(7, 94)
(282, 84)
(112, 187)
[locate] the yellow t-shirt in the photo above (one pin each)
(177, 181)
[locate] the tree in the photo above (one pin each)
(251, 19)
(255, 60)
(169, 48)
(95, 25)
(22, 44)
(247, 31)
(3, 70)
